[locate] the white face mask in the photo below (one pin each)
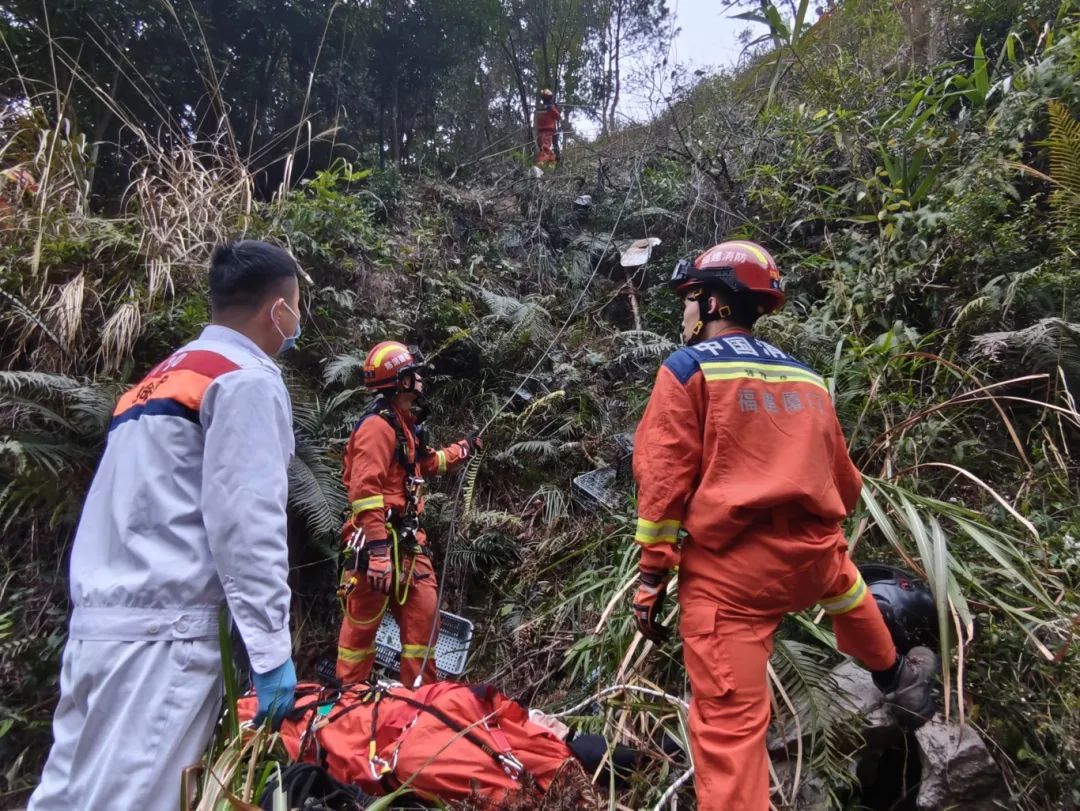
(288, 341)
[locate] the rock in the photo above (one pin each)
(811, 795)
(855, 691)
(957, 770)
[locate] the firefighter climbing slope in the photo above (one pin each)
(385, 463)
(547, 122)
(740, 449)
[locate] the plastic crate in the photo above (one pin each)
(624, 463)
(598, 486)
(608, 486)
(451, 648)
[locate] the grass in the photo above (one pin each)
(967, 441)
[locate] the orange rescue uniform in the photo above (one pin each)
(395, 736)
(546, 122)
(384, 452)
(740, 449)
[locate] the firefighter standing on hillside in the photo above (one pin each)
(385, 462)
(740, 448)
(547, 122)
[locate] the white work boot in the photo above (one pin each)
(912, 694)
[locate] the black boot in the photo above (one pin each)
(910, 692)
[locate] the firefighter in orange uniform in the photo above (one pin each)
(744, 479)
(547, 121)
(385, 463)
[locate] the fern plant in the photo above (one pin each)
(316, 492)
(1064, 149)
(529, 315)
(55, 428)
(1044, 346)
(802, 674)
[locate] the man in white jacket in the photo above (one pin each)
(186, 513)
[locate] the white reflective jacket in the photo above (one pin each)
(187, 508)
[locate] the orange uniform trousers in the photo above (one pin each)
(546, 153)
(416, 611)
(732, 602)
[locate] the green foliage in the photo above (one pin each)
(418, 83)
(921, 211)
(1064, 146)
(323, 221)
(804, 675)
(54, 435)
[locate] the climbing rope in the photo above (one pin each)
(452, 530)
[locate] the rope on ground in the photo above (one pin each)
(584, 291)
(674, 787)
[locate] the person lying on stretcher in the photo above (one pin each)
(446, 741)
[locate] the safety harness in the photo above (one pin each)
(382, 769)
(400, 526)
(408, 522)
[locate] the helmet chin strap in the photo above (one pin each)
(695, 334)
(420, 407)
(704, 316)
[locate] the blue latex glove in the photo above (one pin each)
(276, 691)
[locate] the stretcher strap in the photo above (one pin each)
(504, 760)
(497, 735)
(379, 767)
(324, 702)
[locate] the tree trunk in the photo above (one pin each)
(919, 20)
(519, 79)
(384, 76)
(545, 59)
(266, 92)
(100, 127)
(395, 121)
(608, 78)
(618, 51)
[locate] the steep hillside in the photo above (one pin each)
(926, 223)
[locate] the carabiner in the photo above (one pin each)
(512, 766)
